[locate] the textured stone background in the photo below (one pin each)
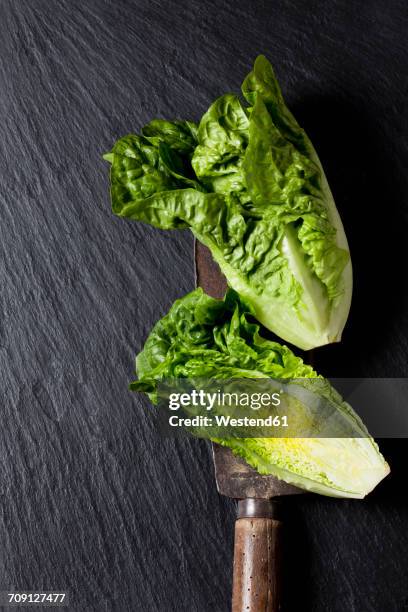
(92, 500)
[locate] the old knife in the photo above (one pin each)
(257, 548)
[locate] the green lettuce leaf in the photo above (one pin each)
(202, 337)
(157, 161)
(250, 186)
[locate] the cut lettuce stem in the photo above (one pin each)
(336, 467)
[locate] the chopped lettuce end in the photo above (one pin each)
(202, 337)
(336, 467)
(249, 184)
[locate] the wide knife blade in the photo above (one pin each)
(234, 477)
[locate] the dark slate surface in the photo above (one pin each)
(92, 500)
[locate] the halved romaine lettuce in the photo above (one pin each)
(250, 186)
(205, 338)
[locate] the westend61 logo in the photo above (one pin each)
(206, 400)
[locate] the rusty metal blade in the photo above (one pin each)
(233, 476)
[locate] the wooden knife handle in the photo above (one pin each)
(257, 551)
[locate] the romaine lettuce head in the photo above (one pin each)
(250, 186)
(202, 337)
